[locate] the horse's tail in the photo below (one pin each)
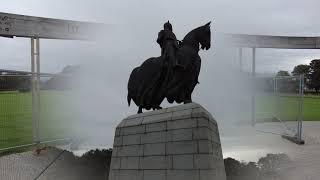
(129, 99)
(132, 85)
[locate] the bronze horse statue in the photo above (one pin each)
(157, 79)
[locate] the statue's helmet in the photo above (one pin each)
(167, 25)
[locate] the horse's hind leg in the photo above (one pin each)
(140, 110)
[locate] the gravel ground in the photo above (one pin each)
(28, 165)
(249, 144)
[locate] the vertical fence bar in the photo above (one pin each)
(240, 59)
(253, 98)
(35, 69)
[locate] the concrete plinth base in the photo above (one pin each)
(177, 143)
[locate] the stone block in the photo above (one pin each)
(181, 124)
(217, 151)
(154, 149)
(203, 122)
(179, 135)
(154, 175)
(162, 126)
(182, 107)
(156, 162)
(183, 161)
(157, 118)
(205, 146)
(117, 141)
(182, 147)
(130, 162)
(133, 122)
(182, 174)
(202, 133)
(213, 126)
(115, 163)
(176, 143)
(132, 130)
(208, 175)
(129, 175)
(183, 114)
(154, 137)
(204, 161)
(131, 139)
(117, 132)
(132, 150)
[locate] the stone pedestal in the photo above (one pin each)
(176, 143)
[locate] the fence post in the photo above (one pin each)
(300, 118)
(35, 69)
(253, 97)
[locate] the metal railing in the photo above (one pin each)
(280, 100)
(32, 110)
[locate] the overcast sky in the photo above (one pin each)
(285, 17)
(137, 24)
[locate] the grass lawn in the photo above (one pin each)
(288, 105)
(16, 114)
(16, 117)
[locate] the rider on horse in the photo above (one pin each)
(169, 44)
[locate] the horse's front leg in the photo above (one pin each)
(140, 110)
(187, 98)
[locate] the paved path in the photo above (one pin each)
(250, 143)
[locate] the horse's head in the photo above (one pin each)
(200, 35)
(204, 36)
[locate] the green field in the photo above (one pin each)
(287, 107)
(16, 114)
(16, 117)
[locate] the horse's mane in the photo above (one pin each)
(193, 32)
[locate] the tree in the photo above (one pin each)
(301, 69)
(315, 74)
(283, 73)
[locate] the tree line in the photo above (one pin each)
(310, 71)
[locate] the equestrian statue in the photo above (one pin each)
(174, 74)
